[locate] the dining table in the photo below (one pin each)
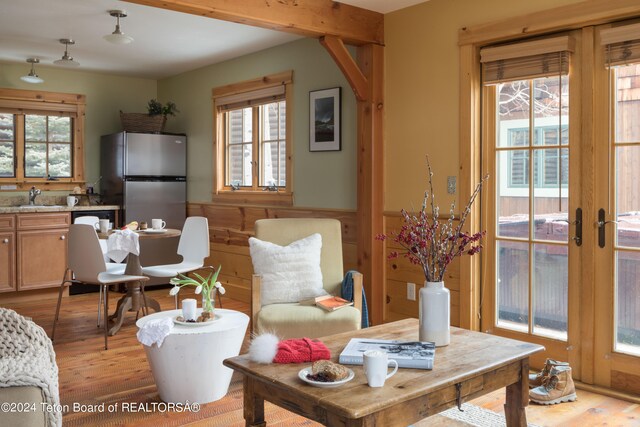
(134, 299)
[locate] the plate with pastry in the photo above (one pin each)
(326, 374)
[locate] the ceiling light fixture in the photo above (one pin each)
(118, 37)
(67, 60)
(32, 77)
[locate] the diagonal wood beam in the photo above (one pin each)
(348, 65)
(309, 18)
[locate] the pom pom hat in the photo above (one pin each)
(266, 349)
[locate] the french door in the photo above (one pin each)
(617, 195)
(561, 265)
(532, 151)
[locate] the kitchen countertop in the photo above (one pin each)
(18, 210)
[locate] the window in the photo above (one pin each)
(547, 165)
(40, 139)
(271, 142)
(253, 145)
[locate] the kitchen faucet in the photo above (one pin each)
(32, 195)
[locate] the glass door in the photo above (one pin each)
(617, 278)
(531, 209)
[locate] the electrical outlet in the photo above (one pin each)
(411, 291)
(451, 184)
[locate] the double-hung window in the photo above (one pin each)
(41, 138)
(253, 146)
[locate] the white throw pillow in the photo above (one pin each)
(289, 273)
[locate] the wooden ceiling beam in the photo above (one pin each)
(309, 18)
(348, 65)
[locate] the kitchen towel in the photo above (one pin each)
(122, 243)
(155, 331)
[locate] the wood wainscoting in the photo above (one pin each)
(399, 271)
(230, 227)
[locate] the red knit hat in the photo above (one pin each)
(301, 350)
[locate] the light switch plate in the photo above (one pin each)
(411, 291)
(451, 184)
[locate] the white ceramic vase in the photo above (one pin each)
(434, 308)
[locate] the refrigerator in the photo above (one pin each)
(146, 175)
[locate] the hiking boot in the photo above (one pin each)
(557, 387)
(535, 380)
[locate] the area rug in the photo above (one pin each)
(476, 416)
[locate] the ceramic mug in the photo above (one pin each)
(72, 201)
(158, 224)
(104, 226)
(376, 364)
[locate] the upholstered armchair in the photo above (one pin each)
(292, 320)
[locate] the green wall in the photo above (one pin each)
(326, 179)
(106, 95)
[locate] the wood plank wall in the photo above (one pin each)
(230, 227)
(399, 271)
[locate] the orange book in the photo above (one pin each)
(332, 303)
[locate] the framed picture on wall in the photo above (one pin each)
(324, 119)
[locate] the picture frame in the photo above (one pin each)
(325, 109)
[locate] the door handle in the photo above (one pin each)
(578, 223)
(601, 230)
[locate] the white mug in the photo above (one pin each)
(376, 364)
(104, 226)
(189, 309)
(158, 224)
(72, 201)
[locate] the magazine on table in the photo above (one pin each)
(408, 354)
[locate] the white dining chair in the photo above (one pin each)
(193, 247)
(86, 265)
(112, 267)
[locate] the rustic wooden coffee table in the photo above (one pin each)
(472, 365)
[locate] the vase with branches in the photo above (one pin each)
(433, 244)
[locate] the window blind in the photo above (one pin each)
(250, 98)
(622, 44)
(533, 59)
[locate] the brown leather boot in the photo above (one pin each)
(558, 387)
(535, 380)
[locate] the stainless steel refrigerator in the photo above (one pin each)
(146, 174)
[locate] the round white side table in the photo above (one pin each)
(188, 365)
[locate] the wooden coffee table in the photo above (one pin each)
(473, 364)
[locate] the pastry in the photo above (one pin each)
(328, 369)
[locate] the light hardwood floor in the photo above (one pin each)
(77, 334)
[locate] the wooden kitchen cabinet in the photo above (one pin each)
(7, 253)
(41, 256)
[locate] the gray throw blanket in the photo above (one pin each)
(27, 359)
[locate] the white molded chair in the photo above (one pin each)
(193, 247)
(112, 267)
(86, 265)
(292, 320)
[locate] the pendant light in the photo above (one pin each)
(32, 77)
(118, 37)
(67, 60)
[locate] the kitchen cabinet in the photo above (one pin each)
(7, 253)
(41, 249)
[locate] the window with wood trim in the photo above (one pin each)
(41, 138)
(253, 148)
